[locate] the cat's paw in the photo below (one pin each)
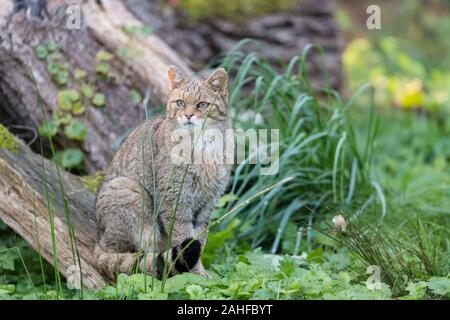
(201, 271)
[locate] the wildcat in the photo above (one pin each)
(126, 220)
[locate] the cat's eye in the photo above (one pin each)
(180, 103)
(203, 105)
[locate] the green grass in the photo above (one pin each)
(319, 150)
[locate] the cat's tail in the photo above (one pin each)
(178, 259)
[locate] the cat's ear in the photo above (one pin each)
(218, 82)
(176, 78)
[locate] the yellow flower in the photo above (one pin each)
(411, 96)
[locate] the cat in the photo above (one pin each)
(125, 203)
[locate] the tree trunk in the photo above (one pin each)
(138, 62)
(281, 35)
(29, 186)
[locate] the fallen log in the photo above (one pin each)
(61, 58)
(31, 194)
(281, 35)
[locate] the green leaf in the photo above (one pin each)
(48, 129)
(80, 73)
(41, 52)
(288, 266)
(71, 94)
(216, 241)
(55, 56)
(103, 56)
(52, 47)
(154, 295)
(315, 256)
(66, 99)
(87, 90)
(78, 108)
(76, 130)
(136, 96)
(439, 285)
(61, 117)
(7, 289)
(52, 68)
(7, 260)
(180, 281)
(63, 66)
(417, 290)
(102, 69)
(195, 292)
(99, 100)
(62, 77)
(72, 158)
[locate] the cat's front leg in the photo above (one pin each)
(201, 233)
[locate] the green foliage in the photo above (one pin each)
(103, 56)
(87, 90)
(318, 148)
(216, 241)
(7, 140)
(93, 182)
(41, 52)
(407, 62)
(401, 258)
(440, 285)
(80, 73)
(71, 158)
(76, 130)
(102, 69)
(255, 275)
(77, 93)
(20, 267)
(400, 80)
(137, 97)
(99, 99)
(49, 129)
(66, 98)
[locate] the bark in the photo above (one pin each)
(281, 35)
(103, 28)
(29, 186)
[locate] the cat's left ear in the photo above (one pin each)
(218, 82)
(176, 78)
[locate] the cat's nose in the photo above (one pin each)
(188, 116)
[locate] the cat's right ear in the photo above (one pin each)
(176, 78)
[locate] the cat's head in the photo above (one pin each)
(196, 103)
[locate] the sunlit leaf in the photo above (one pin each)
(99, 100)
(76, 130)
